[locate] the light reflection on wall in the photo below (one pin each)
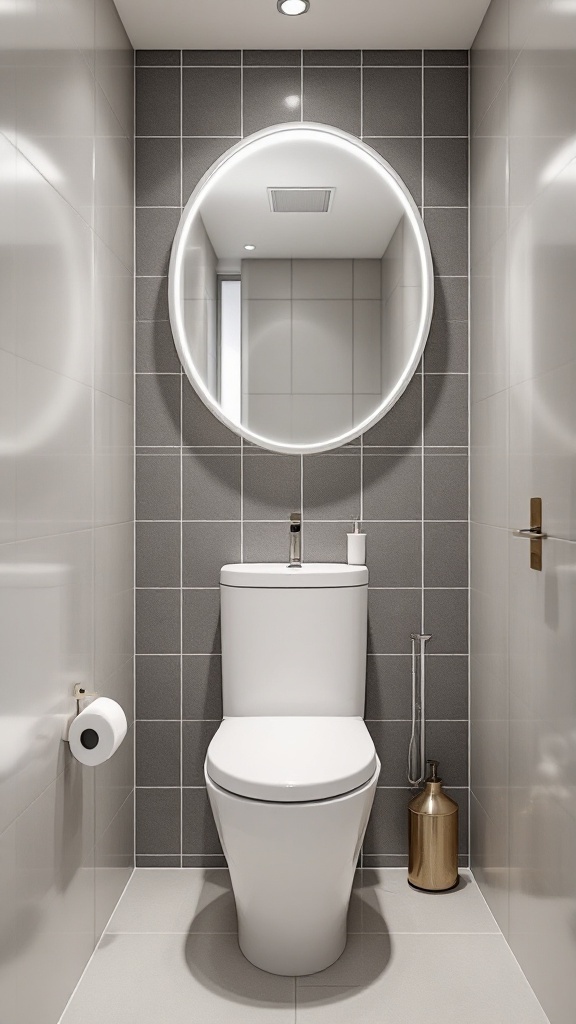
(35, 229)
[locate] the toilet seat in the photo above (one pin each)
(291, 759)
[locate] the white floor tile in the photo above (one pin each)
(178, 979)
(171, 956)
(382, 901)
(176, 900)
(448, 979)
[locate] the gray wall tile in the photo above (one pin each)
(157, 101)
(448, 233)
(157, 753)
(157, 621)
(198, 155)
(391, 740)
(447, 742)
(150, 860)
(157, 409)
(155, 351)
(446, 57)
(447, 686)
(211, 101)
(446, 172)
(390, 58)
(331, 487)
(158, 686)
(212, 455)
(158, 58)
(392, 616)
(266, 542)
(206, 547)
(201, 621)
(157, 172)
(152, 298)
(255, 58)
(445, 554)
(203, 860)
(388, 686)
(223, 58)
(196, 737)
(446, 486)
(199, 427)
(403, 424)
(157, 821)
(211, 486)
(405, 156)
(202, 686)
(155, 230)
(392, 486)
(332, 96)
(447, 347)
(271, 96)
(451, 298)
(394, 554)
(446, 619)
(387, 831)
(331, 58)
(445, 101)
(199, 835)
(157, 554)
(446, 410)
(392, 101)
(158, 487)
(271, 485)
(324, 542)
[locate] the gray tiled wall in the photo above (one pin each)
(204, 498)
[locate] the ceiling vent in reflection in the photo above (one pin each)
(300, 200)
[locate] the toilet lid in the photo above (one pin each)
(291, 759)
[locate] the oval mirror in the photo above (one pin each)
(300, 288)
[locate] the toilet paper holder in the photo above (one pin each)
(78, 693)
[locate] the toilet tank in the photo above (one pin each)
(293, 639)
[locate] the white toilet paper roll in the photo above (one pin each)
(97, 731)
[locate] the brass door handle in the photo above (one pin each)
(531, 532)
(534, 533)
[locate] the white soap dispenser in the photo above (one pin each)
(356, 546)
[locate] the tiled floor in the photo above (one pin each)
(170, 956)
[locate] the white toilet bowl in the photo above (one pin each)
(292, 770)
(291, 797)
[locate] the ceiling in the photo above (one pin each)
(362, 219)
(328, 25)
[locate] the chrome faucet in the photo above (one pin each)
(295, 556)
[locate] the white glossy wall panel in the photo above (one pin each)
(66, 485)
(523, 383)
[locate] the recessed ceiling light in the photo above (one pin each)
(293, 7)
(249, 248)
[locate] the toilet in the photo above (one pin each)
(292, 770)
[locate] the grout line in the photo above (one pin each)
(242, 499)
(202, 720)
(361, 94)
(241, 96)
(181, 739)
(469, 479)
(301, 86)
(135, 464)
(173, 206)
(96, 948)
(422, 380)
(221, 67)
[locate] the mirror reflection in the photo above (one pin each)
(300, 288)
